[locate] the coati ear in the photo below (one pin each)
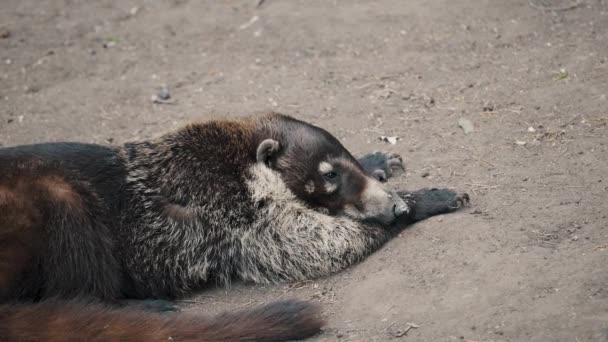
(266, 149)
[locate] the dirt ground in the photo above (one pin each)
(528, 261)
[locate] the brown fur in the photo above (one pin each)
(60, 191)
(162, 218)
(20, 238)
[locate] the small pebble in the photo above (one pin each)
(488, 107)
(520, 143)
(163, 93)
(390, 140)
(5, 33)
(466, 125)
(531, 129)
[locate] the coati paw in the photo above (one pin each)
(444, 200)
(381, 165)
(462, 200)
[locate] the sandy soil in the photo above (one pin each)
(527, 262)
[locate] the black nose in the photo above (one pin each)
(398, 210)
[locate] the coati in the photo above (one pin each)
(263, 199)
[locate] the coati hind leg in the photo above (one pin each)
(54, 234)
(19, 239)
(381, 165)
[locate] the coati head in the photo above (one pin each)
(322, 173)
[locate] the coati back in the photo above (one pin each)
(263, 199)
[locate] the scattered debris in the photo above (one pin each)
(31, 89)
(400, 332)
(546, 5)
(163, 96)
(466, 125)
(391, 140)
(109, 42)
(561, 75)
(249, 23)
(156, 100)
(163, 93)
(488, 107)
(5, 33)
(383, 93)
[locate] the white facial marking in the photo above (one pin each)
(329, 188)
(325, 167)
(309, 187)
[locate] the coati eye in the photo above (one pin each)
(330, 175)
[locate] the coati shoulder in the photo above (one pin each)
(263, 199)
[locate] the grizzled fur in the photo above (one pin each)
(263, 199)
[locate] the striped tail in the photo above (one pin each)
(73, 321)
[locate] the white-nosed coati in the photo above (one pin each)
(263, 199)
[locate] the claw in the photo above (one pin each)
(395, 163)
(393, 155)
(462, 200)
(380, 175)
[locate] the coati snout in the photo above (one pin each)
(321, 172)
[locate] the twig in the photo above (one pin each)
(369, 84)
(557, 8)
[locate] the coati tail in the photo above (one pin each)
(73, 321)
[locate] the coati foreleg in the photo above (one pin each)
(290, 242)
(19, 239)
(426, 202)
(430, 202)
